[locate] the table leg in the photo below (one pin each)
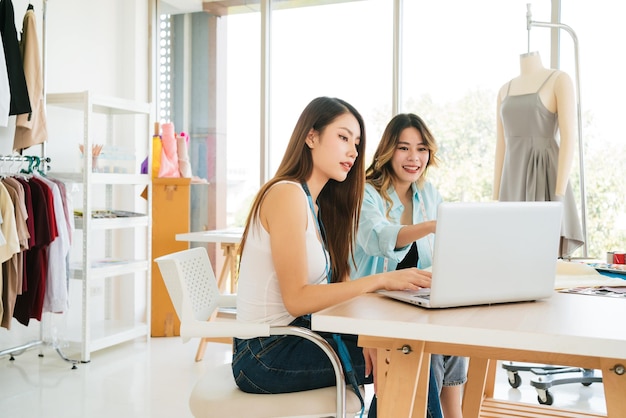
(490, 382)
(227, 268)
(401, 386)
(233, 265)
(474, 390)
(201, 349)
(421, 392)
(614, 387)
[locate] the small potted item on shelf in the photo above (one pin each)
(96, 149)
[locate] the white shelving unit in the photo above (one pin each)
(110, 258)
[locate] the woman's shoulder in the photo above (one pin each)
(282, 183)
(371, 192)
(369, 188)
(282, 200)
(285, 189)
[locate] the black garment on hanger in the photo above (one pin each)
(410, 259)
(20, 102)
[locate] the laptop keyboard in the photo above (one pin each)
(421, 294)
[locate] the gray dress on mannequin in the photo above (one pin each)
(531, 161)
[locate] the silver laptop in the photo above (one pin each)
(491, 252)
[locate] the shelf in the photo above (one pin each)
(101, 270)
(110, 202)
(99, 104)
(104, 178)
(113, 223)
(108, 333)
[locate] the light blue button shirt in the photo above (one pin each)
(377, 235)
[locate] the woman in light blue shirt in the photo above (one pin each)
(397, 226)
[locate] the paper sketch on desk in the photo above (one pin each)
(614, 292)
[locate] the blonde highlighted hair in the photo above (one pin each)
(380, 173)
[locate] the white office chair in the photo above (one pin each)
(191, 284)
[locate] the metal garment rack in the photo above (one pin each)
(42, 166)
(583, 205)
(34, 163)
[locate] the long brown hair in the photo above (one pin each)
(380, 172)
(339, 202)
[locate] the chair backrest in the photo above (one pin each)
(191, 283)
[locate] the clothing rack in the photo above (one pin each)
(34, 164)
(583, 205)
(39, 164)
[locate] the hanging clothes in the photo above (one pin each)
(20, 102)
(9, 231)
(31, 128)
(13, 270)
(37, 277)
(22, 280)
(55, 297)
(5, 91)
(30, 303)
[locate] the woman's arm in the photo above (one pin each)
(379, 236)
(410, 233)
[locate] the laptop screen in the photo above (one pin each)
(489, 252)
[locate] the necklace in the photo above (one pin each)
(320, 230)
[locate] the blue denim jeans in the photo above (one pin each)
(285, 363)
(448, 370)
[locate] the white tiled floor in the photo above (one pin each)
(154, 379)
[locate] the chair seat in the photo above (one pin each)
(217, 395)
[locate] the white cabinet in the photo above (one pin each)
(110, 258)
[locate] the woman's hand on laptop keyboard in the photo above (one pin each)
(406, 279)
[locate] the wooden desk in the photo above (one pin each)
(576, 330)
(229, 240)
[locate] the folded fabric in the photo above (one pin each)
(169, 154)
(184, 166)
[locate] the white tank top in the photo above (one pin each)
(258, 293)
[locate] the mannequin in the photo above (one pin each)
(530, 165)
(558, 96)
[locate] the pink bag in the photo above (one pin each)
(169, 154)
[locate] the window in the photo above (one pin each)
(243, 114)
(602, 86)
(341, 50)
(454, 65)
(455, 57)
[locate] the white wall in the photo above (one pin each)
(97, 45)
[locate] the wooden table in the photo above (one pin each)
(229, 240)
(566, 329)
